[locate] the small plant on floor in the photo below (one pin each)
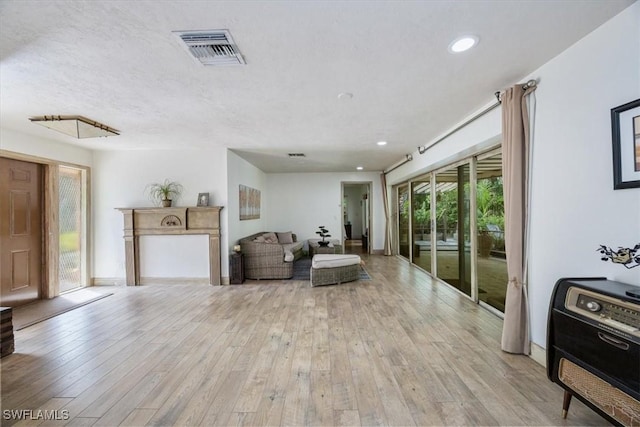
(323, 233)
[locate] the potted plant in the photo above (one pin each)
(163, 193)
(323, 233)
(485, 242)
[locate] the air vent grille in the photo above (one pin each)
(213, 47)
(297, 155)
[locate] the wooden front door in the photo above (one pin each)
(20, 232)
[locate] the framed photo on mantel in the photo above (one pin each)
(625, 134)
(203, 199)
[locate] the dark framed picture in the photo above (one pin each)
(625, 133)
(203, 199)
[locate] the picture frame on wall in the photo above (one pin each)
(249, 203)
(625, 133)
(203, 199)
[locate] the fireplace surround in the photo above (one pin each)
(170, 221)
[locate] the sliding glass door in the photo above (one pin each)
(421, 222)
(435, 226)
(453, 227)
(403, 221)
(492, 263)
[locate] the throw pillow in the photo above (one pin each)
(259, 239)
(270, 238)
(285, 237)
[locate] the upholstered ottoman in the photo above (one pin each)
(329, 269)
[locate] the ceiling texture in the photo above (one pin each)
(120, 63)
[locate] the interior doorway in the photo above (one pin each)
(21, 210)
(356, 217)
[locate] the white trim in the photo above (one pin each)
(121, 281)
(108, 281)
(538, 354)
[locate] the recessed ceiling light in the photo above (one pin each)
(463, 43)
(345, 95)
(359, 168)
(381, 143)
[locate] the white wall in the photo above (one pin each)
(119, 180)
(239, 171)
(300, 202)
(44, 148)
(574, 208)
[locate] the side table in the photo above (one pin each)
(236, 269)
(6, 331)
(314, 247)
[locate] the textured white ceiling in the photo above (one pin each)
(118, 62)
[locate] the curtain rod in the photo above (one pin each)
(423, 149)
(408, 158)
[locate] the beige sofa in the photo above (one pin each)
(269, 255)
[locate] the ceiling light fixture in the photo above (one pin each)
(462, 44)
(381, 143)
(75, 126)
(359, 168)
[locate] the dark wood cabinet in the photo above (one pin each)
(6, 331)
(347, 229)
(236, 269)
(593, 346)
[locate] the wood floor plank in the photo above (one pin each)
(346, 418)
(198, 405)
(321, 400)
(138, 417)
(418, 395)
(393, 402)
(400, 349)
(342, 387)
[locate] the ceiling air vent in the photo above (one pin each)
(296, 155)
(212, 47)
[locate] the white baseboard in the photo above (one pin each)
(538, 354)
(108, 281)
(174, 280)
(121, 281)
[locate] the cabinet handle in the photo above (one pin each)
(613, 341)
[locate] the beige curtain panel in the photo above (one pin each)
(515, 156)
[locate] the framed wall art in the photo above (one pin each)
(625, 132)
(249, 203)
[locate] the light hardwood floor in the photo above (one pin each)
(396, 350)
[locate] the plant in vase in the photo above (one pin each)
(163, 193)
(323, 233)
